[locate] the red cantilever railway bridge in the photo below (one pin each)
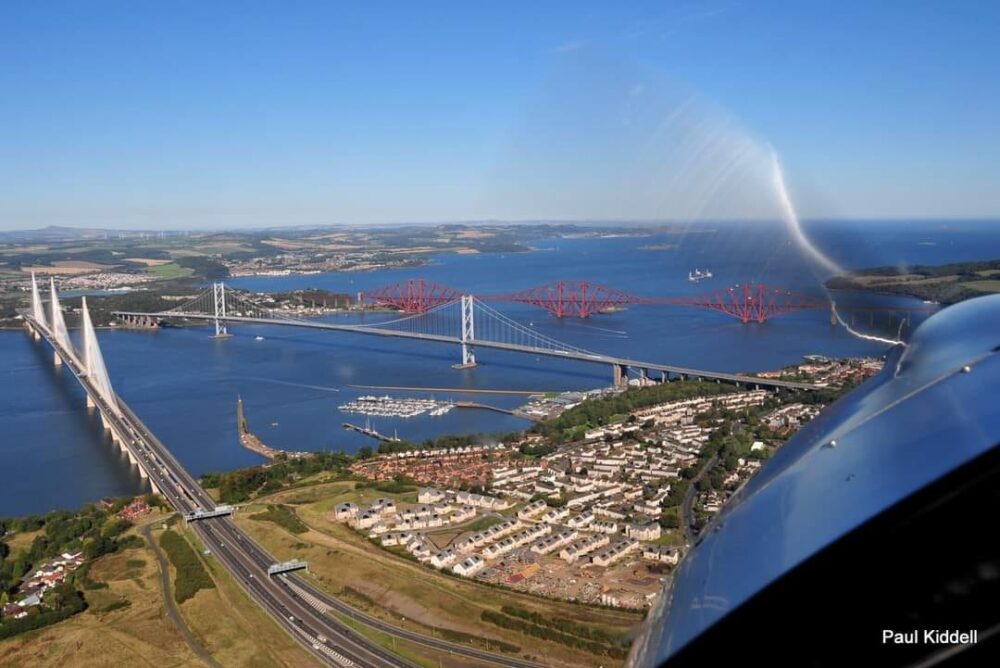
(747, 302)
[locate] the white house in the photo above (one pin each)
(429, 495)
(469, 566)
(345, 511)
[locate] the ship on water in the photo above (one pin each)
(698, 275)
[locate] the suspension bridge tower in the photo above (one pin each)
(468, 333)
(219, 294)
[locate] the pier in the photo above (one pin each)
(368, 431)
(252, 442)
(496, 409)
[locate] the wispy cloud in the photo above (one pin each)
(670, 22)
(567, 47)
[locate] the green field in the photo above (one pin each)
(985, 286)
(172, 270)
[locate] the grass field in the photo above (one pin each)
(65, 267)
(987, 286)
(233, 628)
(107, 634)
(480, 523)
(126, 624)
(670, 538)
(21, 540)
(418, 654)
(283, 517)
(395, 588)
(169, 270)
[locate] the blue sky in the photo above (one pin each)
(210, 114)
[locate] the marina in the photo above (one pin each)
(386, 406)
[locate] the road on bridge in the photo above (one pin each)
(567, 352)
(326, 637)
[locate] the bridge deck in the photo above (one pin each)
(569, 353)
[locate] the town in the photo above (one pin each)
(601, 518)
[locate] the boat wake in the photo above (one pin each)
(286, 383)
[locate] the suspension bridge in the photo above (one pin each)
(464, 321)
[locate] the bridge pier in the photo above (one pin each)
(56, 359)
(106, 424)
(134, 321)
(619, 375)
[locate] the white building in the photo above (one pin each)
(668, 555)
(532, 509)
(649, 531)
(429, 495)
(443, 559)
(469, 566)
(616, 552)
(345, 511)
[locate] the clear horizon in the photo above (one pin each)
(233, 116)
(248, 229)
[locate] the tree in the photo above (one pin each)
(100, 545)
(669, 519)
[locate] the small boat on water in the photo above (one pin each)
(258, 338)
(698, 275)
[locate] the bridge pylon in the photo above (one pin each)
(56, 321)
(37, 310)
(219, 294)
(93, 360)
(468, 333)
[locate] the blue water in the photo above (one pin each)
(184, 384)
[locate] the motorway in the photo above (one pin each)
(295, 604)
(569, 353)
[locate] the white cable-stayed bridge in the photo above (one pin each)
(296, 604)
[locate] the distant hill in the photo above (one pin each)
(57, 233)
(946, 283)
